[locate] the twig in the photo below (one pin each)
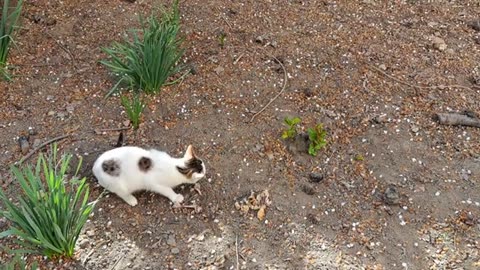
(74, 62)
(115, 264)
(238, 58)
(236, 250)
(226, 21)
(418, 86)
(110, 129)
(279, 93)
(27, 156)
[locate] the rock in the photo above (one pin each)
(51, 113)
(316, 177)
(219, 70)
(36, 143)
(299, 144)
(439, 44)
(90, 233)
(32, 131)
(50, 21)
(308, 189)
(314, 219)
(391, 195)
(175, 250)
(382, 67)
(380, 119)
(24, 144)
(475, 25)
(260, 39)
(415, 129)
(171, 240)
(308, 92)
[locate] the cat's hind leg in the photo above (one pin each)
(126, 196)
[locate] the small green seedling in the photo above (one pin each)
(359, 157)
(134, 108)
(291, 131)
(316, 136)
(221, 39)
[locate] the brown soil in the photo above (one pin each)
(373, 72)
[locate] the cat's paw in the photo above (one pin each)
(132, 201)
(178, 200)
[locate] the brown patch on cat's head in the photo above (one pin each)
(194, 165)
(145, 164)
(111, 167)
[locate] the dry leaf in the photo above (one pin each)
(261, 213)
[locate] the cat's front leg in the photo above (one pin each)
(168, 192)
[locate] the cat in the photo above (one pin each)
(127, 169)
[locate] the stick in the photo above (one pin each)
(238, 59)
(279, 93)
(455, 119)
(418, 86)
(236, 250)
(64, 49)
(27, 156)
(115, 264)
(110, 129)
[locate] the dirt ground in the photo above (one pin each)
(393, 189)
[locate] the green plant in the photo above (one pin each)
(221, 39)
(316, 136)
(52, 207)
(151, 57)
(133, 108)
(291, 130)
(8, 25)
(18, 263)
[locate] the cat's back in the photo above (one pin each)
(120, 156)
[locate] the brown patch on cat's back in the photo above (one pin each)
(194, 165)
(111, 167)
(145, 164)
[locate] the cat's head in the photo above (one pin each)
(193, 168)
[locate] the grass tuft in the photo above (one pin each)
(8, 25)
(52, 207)
(150, 57)
(133, 108)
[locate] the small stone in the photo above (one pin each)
(308, 92)
(32, 131)
(475, 25)
(50, 97)
(415, 129)
(175, 250)
(308, 189)
(171, 240)
(300, 144)
(314, 219)
(382, 67)
(50, 21)
(51, 113)
(316, 177)
(90, 233)
(391, 195)
(24, 144)
(36, 143)
(219, 70)
(439, 44)
(70, 108)
(380, 119)
(260, 39)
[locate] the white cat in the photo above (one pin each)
(127, 169)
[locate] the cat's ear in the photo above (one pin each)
(189, 154)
